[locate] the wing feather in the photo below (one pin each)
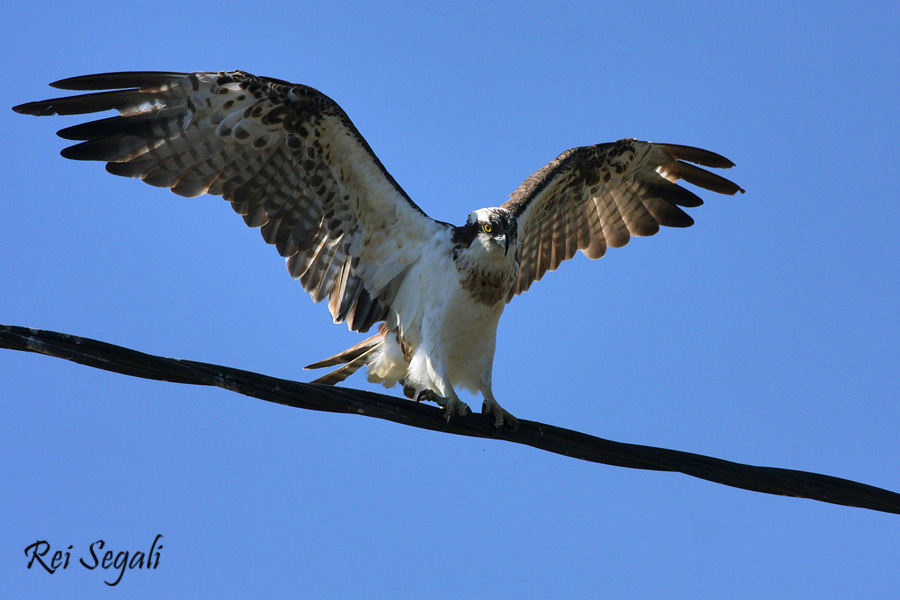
(594, 197)
(285, 156)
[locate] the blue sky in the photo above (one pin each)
(767, 333)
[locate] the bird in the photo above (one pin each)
(292, 164)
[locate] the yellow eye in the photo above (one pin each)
(487, 227)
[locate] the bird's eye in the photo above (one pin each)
(487, 227)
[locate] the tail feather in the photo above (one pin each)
(349, 354)
(352, 359)
(342, 373)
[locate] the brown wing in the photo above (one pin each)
(287, 158)
(598, 196)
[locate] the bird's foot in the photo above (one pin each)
(454, 406)
(501, 417)
(427, 396)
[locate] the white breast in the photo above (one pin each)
(445, 321)
(463, 303)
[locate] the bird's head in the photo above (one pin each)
(493, 228)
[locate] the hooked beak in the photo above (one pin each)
(503, 240)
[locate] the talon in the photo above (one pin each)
(427, 395)
(502, 418)
(511, 422)
(455, 405)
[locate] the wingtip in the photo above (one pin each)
(734, 189)
(698, 156)
(37, 109)
(725, 163)
(61, 83)
(77, 83)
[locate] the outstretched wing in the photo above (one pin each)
(598, 196)
(287, 158)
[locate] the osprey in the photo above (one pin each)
(290, 161)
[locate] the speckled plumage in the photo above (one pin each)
(291, 162)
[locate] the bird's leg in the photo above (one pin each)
(490, 406)
(447, 398)
(502, 418)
